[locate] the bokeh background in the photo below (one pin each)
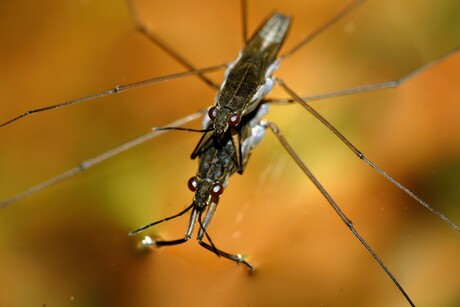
(68, 245)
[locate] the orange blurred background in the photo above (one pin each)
(68, 245)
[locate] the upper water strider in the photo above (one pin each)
(247, 81)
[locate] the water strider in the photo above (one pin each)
(179, 187)
(247, 81)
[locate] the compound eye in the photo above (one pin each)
(212, 113)
(217, 190)
(192, 184)
(234, 119)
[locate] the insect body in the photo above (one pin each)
(249, 78)
(247, 81)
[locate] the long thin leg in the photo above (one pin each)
(188, 233)
(83, 166)
(203, 231)
(161, 221)
(116, 90)
(371, 87)
(334, 205)
(244, 21)
(323, 27)
(361, 156)
(156, 40)
(211, 247)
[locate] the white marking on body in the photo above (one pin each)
(274, 31)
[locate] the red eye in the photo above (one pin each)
(192, 184)
(234, 119)
(212, 113)
(217, 190)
